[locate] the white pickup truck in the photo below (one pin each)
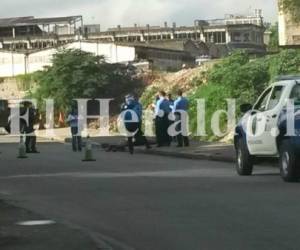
(262, 132)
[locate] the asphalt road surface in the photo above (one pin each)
(148, 202)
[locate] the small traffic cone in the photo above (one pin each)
(22, 149)
(88, 151)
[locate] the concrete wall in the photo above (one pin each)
(12, 64)
(37, 61)
(166, 64)
(112, 52)
(165, 59)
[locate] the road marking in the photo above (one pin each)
(36, 223)
(5, 193)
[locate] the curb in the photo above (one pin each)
(209, 157)
(199, 156)
(94, 144)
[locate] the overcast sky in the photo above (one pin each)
(127, 12)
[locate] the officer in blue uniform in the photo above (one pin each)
(172, 120)
(73, 120)
(162, 111)
(181, 105)
(30, 134)
(132, 105)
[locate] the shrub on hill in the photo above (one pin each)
(77, 74)
(241, 78)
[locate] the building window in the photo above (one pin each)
(246, 37)
(224, 37)
(236, 37)
(215, 37)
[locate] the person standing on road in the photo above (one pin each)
(180, 110)
(22, 124)
(132, 125)
(171, 101)
(162, 111)
(27, 129)
(33, 116)
(172, 118)
(140, 138)
(72, 120)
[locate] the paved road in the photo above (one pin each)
(148, 202)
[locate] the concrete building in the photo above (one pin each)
(232, 32)
(163, 58)
(194, 48)
(19, 63)
(91, 29)
(236, 32)
(27, 33)
(27, 44)
(289, 31)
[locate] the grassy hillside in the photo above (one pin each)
(237, 76)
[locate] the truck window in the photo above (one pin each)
(3, 105)
(261, 104)
(4, 113)
(295, 94)
(275, 97)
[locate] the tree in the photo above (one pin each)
(77, 74)
(274, 38)
(292, 7)
(242, 78)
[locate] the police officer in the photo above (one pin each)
(22, 123)
(170, 99)
(30, 141)
(172, 119)
(162, 111)
(134, 127)
(73, 121)
(27, 129)
(180, 109)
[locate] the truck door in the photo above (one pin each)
(266, 123)
(252, 121)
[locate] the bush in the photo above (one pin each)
(77, 74)
(286, 62)
(26, 82)
(241, 78)
(215, 99)
(148, 96)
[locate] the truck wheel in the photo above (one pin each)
(288, 163)
(244, 165)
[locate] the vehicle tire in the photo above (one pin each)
(288, 163)
(244, 161)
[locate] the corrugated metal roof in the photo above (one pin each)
(30, 20)
(13, 20)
